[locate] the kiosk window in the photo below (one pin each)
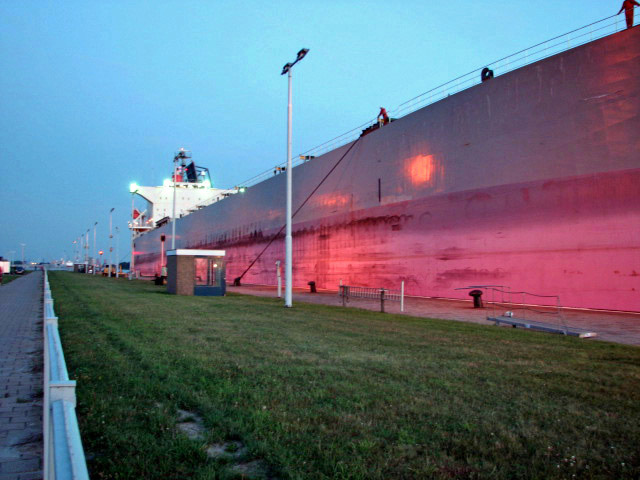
(205, 271)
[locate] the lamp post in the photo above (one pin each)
(86, 253)
(117, 252)
(133, 188)
(23, 245)
(181, 155)
(110, 237)
(288, 272)
(95, 259)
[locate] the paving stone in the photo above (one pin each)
(29, 476)
(20, 466)
(21, 378)
(619, 327)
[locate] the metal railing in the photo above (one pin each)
(524, 306)
(346, 292)
(63, 453)
(599, 29)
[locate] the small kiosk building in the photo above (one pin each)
(196, 272)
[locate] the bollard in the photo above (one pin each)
(279, 278)
(382, 300)
(344, 293)
(477, 298)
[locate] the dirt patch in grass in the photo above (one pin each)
(226, 450)
(191, 425)
(257, 469)
(231, 452)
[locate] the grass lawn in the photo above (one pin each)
(10, 277)
(323, 392)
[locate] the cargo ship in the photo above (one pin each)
(530, 179)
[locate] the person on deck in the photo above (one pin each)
(628, 6)
(383, 118)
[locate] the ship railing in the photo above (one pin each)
(347, 292)
(63, 453)
(588, 33)
(599, 29)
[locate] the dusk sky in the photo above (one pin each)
(98, 94)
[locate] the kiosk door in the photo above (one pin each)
(209, 276)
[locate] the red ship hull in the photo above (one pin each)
(530, 180)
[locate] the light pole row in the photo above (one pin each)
(110, 237)
(82, 244)
(95, 226)
(182, 154)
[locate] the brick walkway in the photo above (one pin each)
(21, 378)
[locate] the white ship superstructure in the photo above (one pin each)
(189, 187)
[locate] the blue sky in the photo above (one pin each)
(97, 94)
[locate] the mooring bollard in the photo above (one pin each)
(344, 293)
(477, 298)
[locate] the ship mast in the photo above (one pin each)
(182, 155)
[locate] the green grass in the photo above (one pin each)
(326, 392)
(10, 277)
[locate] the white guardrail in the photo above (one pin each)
(63, 453)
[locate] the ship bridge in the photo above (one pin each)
(189, 188)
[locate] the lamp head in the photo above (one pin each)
(286, 69)
(301, 54)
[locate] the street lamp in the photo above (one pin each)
(117, 252)
(110, 237)
(288, 272)
(23, 245)
(86, 253)
(181, 155)
(95, 259)
(133, 188)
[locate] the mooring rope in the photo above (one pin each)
(237, 280)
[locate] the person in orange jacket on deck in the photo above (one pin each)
(383, 118)
(627, 6)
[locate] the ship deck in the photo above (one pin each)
(618, 327)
